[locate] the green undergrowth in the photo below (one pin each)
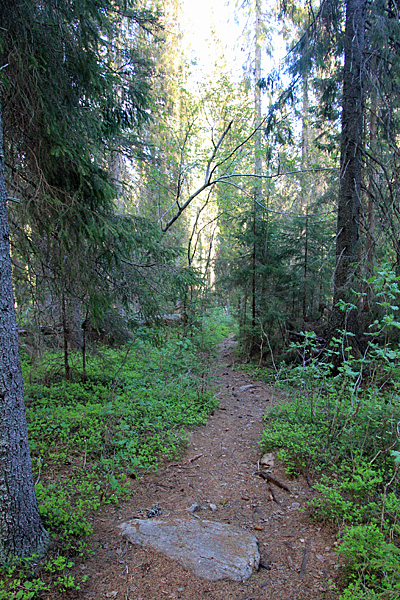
(90, 440)
(343, 431)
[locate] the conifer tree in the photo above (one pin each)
(62, 120)
(347, 240)
(21, 531)
(59, 113)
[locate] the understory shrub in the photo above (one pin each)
(343, 430)
(91, 439)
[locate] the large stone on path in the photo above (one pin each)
(209, 549)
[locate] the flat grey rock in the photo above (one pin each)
(209, 549)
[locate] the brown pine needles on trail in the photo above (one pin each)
(215, 480)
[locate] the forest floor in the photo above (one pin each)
(298, 558)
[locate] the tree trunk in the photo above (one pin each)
(67, 369)
(370, 209)
(304, 183)
(116, 161)
(305, 270)
(347, 240)
(257, 170)
(21, 530)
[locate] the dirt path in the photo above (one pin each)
(216, 473)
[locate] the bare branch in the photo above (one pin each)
(275, 175)
(190, 253)
(216, 148)
(234, 151)
(225, 178)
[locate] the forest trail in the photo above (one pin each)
(217, 468)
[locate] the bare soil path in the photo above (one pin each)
(216, 473)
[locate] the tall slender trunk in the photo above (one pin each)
(116, 160)
(84, 329)
(253, 281)
(305, 271)
(370, 252)
(257, 164)
(347, 239)
(304, 186)
(21, 531)
(67, 368)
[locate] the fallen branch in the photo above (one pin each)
(274, 497)
(305, 560)
(290, 554)
(271, 479)
(195, 458)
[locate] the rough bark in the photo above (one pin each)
(347, 241)
(21, 530)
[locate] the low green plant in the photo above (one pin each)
(69, 582)
(64, 503)
(58, 564)
(13, 587)
(373, 564)
(90, 439)
(28, 579)
(343, 429)
(330, 505)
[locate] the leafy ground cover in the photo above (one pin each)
(90, 440)
(344, 432)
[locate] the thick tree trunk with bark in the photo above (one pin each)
(21, 530)
(347, 241)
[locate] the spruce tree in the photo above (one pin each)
(347, 240)
(21, 531)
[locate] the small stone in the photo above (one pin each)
(295, 506)
(194, 508)
(154, 512)
(213, 507)
(267, 460)
(302, 541)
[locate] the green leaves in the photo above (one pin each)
(131, 410)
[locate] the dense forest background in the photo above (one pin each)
(138, 203)
(131, 190)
